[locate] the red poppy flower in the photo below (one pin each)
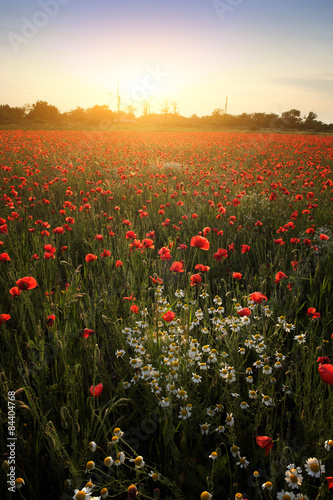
(129, 298)
(3, 229)
(99, 237)
(96, 390)
(169, 316)
(200, 242)
(330, 483)
(26, 283)
(86, 333)
(134, 308)
(222, 252)
(258, 297)
(106, 253)
(58, 230)
(237, 276)
(4, 318)
(323, 237)
(258, 223)
(306, 241)
(148, 243)
(294, 240)
(279, 241)
(130, 235)
(244, 312)
(157, 280)
(231, 247)
(4, 256)
(182, 247)
(90, 257)
(48, 256)
(50, 319)
(279, 276)
(264, 442)
(202, 268)
(15, 291)
(294, 264)
(177, 267)
(195, 279)
(164, 253)
(119, 263)
(245, 248)
(312, 313)
(325, 369)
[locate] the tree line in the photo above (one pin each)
(102, 117)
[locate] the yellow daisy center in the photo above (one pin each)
(314, 467)
(293, 478)
(80, 495)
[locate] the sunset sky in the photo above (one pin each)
(265, 55)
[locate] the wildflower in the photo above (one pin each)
(267, 370)
(325, 369)
(258, 297)
(314, 467)
(90, 257)
(220, 429)
(267, 486)
(328, 445)
(301, 339)
(200, 242)
(4, 318)
(169, 316)
(285, 495)
(108, 461)
(234, 450)
(177, 267)
(132, 492)
(119, 263)
(154, 475)
(195, 279)
(256, 474)
(205, 495)
(196, 378)
(253, 394)
(213, 455)
(90, 466)
(245, 311)
(243, 405)
(267, 400)
(134, 309)
(96, 391)
(293, 476)
(330, 483)
(84, 494)
(104, 493)
(245, 248)
(204, 428)
(243, 463)
(19, 482)
(229, 419)
(237, 276)
(93, 446)
(26, 283)
(279, 276)
(4, 257)
(239, 496)
(138, 462)
(264, 442)
(312, 313)
(184, 413)
(118, 432)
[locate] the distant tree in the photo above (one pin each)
(11, 115)
(43, 111)
(78, 114)
(165, 107)
(131, 111)
(291, 119)
(98, 114)
(174, 105)
(310, 121)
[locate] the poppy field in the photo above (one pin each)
(166, 315)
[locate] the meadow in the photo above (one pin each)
(166, 315)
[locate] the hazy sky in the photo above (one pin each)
(264, 55)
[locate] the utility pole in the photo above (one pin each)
(225, 106)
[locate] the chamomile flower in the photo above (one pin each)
(120, 353)
(204, 428)
(229, 420)
(90, 466)
(205, 496)
(314, 467)
(108, 461)
(84, 494)
(267, 486)
(210, 411)
(235, 451)
(220, 429)
(138, 462)
(196, 378)
(328, 445)
(243, 405)
(267, 400)
(253, 394)
(154, 475)
(93, 446)
(293, 476)
(19, 482)
(243, 463)
(213, 455)
(267, 369)
(285, 495)
(301, 339)
(184, 413)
